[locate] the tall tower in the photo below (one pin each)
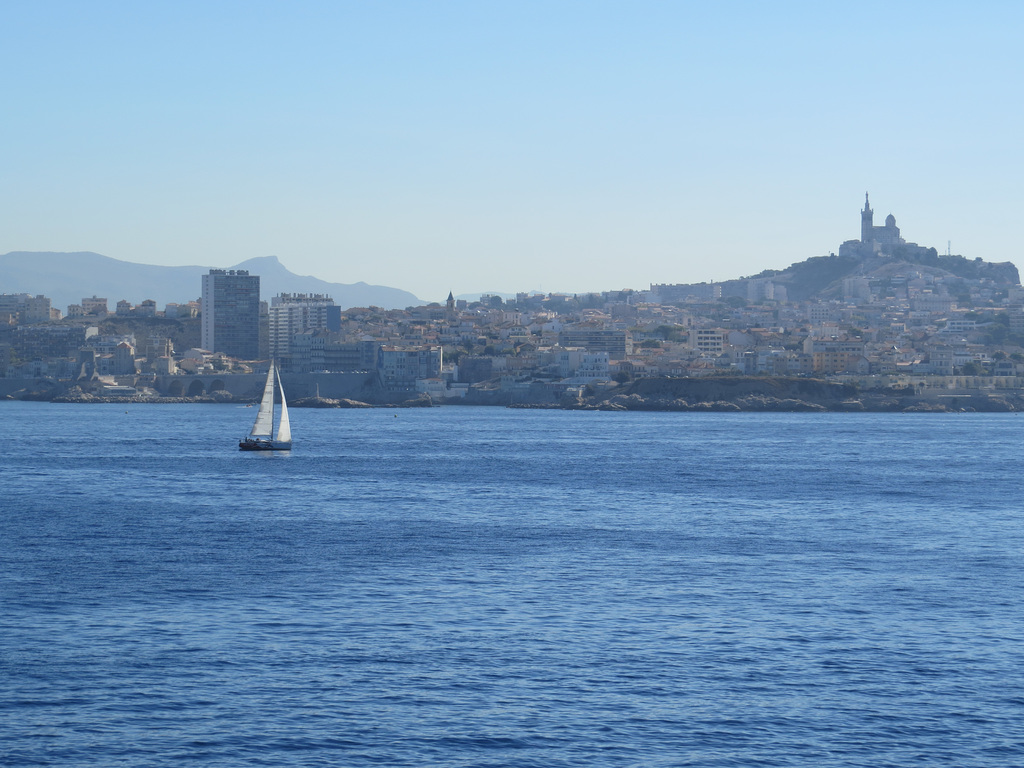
(866, 222)
(231, 313)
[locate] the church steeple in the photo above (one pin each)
(866, 222)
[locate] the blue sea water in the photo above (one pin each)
(491, 587)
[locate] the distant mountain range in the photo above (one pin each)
(67, 278)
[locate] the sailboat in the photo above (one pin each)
(260, 438)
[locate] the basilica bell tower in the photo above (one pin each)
(866, 222)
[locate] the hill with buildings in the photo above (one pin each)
(822, 277)
(67, 278)
(881, 258)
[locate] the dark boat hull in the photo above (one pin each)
(250, 444)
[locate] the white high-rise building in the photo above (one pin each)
(292, 314)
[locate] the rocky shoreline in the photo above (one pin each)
(786, 395)
(217, 398)
(776, 405)
(711, 394)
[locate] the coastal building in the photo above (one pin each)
(617, 344)
(836, 354)
(164, 366)
(568, 361)
(231, 313)
(28, 309)
(46, 341)
(12, 303)
(181, 311)
(679, 293)
(473, 369)
(292, 314)
(764, 289)
(594, 365)
(95, 306)
(400, 367)
(926, 301)
(124, 359)
(711, 341)
(105, 344)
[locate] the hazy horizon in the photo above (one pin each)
(508, 147)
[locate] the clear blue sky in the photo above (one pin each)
(506, 146)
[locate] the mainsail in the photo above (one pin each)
(264, 425)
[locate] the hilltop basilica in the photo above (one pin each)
(884, 241)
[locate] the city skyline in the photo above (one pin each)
(575, 147)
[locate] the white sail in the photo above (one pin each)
(264, 425)
(284, 428)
